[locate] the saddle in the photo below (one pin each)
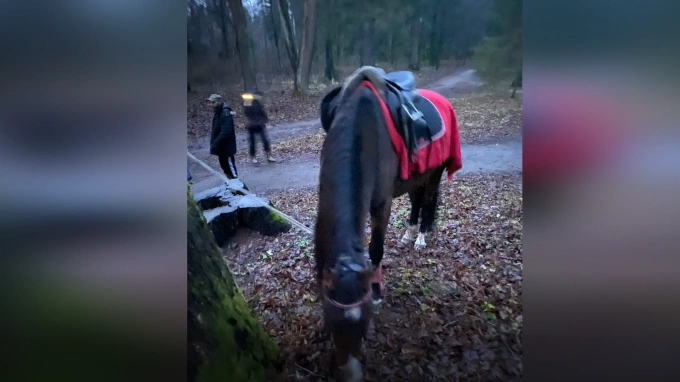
(416, 119)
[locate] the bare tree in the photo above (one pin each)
(289, 40)
(416, 29)
(368, 43)
(271, 8)
(329, 70)
(243, 43)
(224, 21)
(309, 27)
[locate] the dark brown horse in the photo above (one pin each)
(360, 176)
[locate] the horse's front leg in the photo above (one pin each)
(347, 353)
(380, 217)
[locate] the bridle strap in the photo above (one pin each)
(357, 304)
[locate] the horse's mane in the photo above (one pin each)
(341, 171)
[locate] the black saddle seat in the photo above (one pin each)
(417, 120)
(403, 79)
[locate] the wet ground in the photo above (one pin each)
(295, 174)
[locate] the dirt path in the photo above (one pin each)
(262, 178)
(461, 82)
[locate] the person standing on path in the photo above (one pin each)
(223, 137)
(257, 123)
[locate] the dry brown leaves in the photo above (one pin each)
(298, 148)
(482, 118)
(488, 117)
(451, 312)
(282, 105)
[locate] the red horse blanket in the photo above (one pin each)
(437, 152)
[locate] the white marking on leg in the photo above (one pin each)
(353, 370)
(410, 234)
(420, 242)
(353, 314)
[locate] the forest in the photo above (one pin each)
(311, 41)
(451, 312)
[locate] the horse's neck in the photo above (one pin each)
(350, 173)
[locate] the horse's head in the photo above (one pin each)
(347, 311)
(347, 285)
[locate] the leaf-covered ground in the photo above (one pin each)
(298, 148)
(283, 106)
(452, 312)
(487, 117)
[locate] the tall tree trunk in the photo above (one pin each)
(330, 68)
(416, 28)
(225, 340)
(223, 28)
(367, 43)
(391, 44)
(306, 48)
(329, 12)
(272, 12)
(289, 40)
(266, 49)
(338, 52)
(434, 41)
(243, 47)
(516, 83)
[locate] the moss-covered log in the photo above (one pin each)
(225, 340)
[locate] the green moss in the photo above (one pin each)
(252, 360)
(228, 344)
(278, 218)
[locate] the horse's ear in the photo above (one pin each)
(328, 108)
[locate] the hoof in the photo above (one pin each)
(351, 372)
(409, 235)
(420, 242)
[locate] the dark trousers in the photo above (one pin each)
(262, 132)
(228, 165)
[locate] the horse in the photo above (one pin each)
(361, 171)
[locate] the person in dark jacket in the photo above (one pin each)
(223, 137)
(257, 123)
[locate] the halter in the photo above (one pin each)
(353, 305)
(367, 297)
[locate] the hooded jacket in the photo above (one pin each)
(257, 117)
(223, 137)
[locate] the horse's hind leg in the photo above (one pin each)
(428, 210)
(416, 198)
